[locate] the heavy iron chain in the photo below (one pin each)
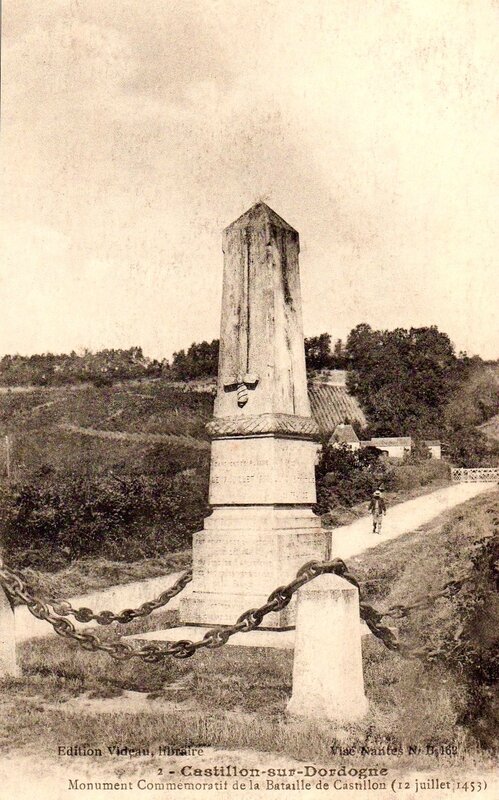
(215, 637)
(64, 609)
(184, 648)
(400, 611)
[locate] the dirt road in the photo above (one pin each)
(356, 538)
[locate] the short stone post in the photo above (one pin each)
(328, 682)
(8, 662)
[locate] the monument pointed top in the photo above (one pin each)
(257, 215)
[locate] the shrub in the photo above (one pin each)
(345, 477)
(411, 474)
(50, 522)
(470, 448)
(101, 380)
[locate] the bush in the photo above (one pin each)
(468, 447)
(413, 473)
(50, 522)
(101, 380)
(345, 477)
(473, 648)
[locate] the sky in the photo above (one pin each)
(133, 133)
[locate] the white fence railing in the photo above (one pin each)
(475, 474)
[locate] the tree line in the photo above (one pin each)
(409, 382)
(104, 367)
(200, 360)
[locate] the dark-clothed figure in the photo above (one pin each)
(377, 507)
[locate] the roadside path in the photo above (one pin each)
(356, 538)
(346, 541)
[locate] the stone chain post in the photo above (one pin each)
(8, 657)
(328, 682)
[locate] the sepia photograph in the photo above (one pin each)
(249, 399)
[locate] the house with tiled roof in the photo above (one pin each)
(330, 402)
(345, 435)
(400, 446)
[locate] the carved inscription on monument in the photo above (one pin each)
(262, 470)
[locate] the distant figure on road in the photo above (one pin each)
(377, 507)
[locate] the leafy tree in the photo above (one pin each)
(318, 351)
(410, 382)
(402, 378)
(345, 477)
(475, 400)
(340, 356)
(200, 361)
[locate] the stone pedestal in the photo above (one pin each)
(243, 554)
(328, 681)
(261, 531)
(8, 663)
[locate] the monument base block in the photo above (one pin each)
(262, 470)
(242, 555)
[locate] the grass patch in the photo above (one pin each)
(238, 701)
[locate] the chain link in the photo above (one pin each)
(154, 651)
(450, 589)
(215, 637)
(64, 609)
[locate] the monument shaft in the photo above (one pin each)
(261, 329)
(262, 482)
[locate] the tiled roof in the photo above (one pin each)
(332, 405)
(432, 442)
(344, 434)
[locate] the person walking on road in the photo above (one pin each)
(377, 507)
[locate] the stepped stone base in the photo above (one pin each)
(242, 555)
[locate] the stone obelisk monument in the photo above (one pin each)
(262, 481)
